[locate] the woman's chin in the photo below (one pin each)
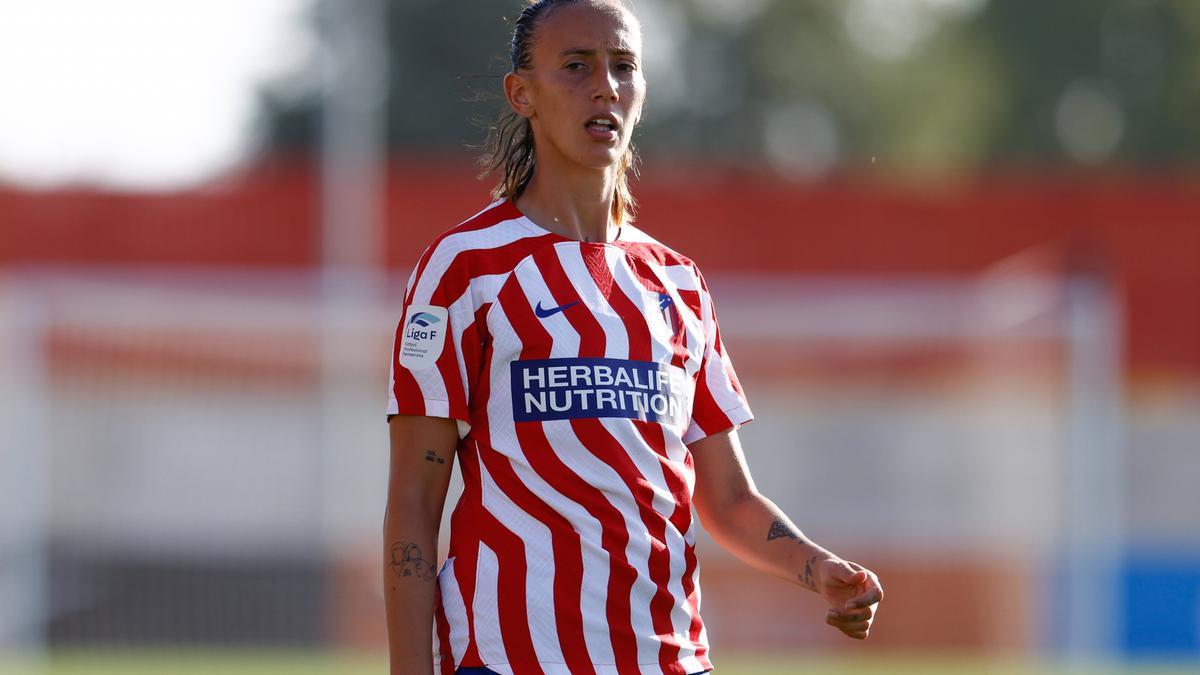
(594, 156)
(601, 158)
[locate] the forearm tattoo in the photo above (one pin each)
(408, 561)
(431, 456)
(778, 529)
(807, 577)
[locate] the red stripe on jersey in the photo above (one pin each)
(480, 430)
(614, 538)
(692, 592)
(545, 461)
(455, 280)
(720, 344)
(568, 560)
(691, 300)
(591, 333)
(602, 444)
(477, 262)
(456, 395)
(404, 385)
(706, 412)
(465, 524)
(510, 592)
(606, 448)
(629, 313)
(503, 211)
(472, 355)
(452, 283)
(681, 518)
(651, 282)
(652, 434)
(656, 252)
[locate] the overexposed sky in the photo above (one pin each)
(137, 93)
(156, 94)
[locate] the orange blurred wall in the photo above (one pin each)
(1146, 227)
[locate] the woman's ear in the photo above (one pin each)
(516, 90)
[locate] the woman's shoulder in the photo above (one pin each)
(496, 220)
(639, 242)
(493, 229)
(491, 242)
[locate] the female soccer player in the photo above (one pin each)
(573, 367)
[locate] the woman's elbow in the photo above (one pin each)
(719, 512)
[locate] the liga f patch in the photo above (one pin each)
(423, 336)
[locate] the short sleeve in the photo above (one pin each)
(429, 366)
(719, 403)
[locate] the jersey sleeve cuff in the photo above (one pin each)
(736, 416)
(431, 407)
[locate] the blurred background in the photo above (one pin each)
(955, 246)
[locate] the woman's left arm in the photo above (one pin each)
(754, 529)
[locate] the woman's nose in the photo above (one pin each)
(606, 85)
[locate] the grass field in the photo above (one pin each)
(323, 663)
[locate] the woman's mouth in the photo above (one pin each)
(602, 128)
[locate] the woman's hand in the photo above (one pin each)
(853, 593)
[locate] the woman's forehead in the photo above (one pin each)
(588, 26)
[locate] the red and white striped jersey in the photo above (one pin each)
(577, 372)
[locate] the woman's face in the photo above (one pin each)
(584, 93)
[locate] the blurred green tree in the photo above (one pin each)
(814, 85)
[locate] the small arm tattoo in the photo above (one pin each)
(807, 578)
(778, 529)
(431, 456)
(408, 561)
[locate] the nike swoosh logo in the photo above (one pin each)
(542, 313)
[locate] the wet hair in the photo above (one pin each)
(509, 148)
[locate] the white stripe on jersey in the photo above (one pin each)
(596, 561)
(681, 276)
(463, 309)
(661, 350)
(616, 337)
(539, 567)
(455, 610)
(637, 550)
(449, 248)
(677, 278)
(564, 338)
(487, 612)
(501, 427)
(393, 406)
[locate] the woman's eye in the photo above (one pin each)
(626, 67)
(574, 65)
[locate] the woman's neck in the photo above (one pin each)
(575, 204)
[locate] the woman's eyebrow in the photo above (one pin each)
(579, 51)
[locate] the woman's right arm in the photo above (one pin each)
(422, 456)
